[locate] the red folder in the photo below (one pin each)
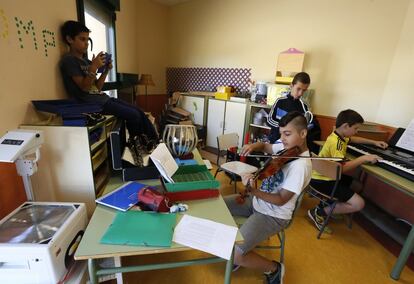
(192, 194)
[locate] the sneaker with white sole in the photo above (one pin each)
(318, 220)
(235, 267)
(277, 276)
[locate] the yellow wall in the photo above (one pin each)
(397, 104)
(26, 73)
(142, 41)
(350, 46)
(358, 52)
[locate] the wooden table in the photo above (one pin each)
(90, 249)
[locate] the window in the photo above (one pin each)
(99, 17)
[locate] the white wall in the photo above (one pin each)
(350, 45)
(397, 104)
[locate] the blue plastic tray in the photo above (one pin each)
(66, 107)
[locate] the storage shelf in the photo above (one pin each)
(259, 126)
(98, 143)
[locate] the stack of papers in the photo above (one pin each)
(205, 235)
(164, 162)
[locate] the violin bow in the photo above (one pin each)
(335, 159)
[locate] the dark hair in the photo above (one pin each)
(295, 117)
(302, 77)
(348, 116)
(72, 29)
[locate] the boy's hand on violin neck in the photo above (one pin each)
(246, 150)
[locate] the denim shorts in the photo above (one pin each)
(258, 227)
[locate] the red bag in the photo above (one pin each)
(153, 200)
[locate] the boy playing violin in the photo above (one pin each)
(269, 209)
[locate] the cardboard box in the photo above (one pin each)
(225, 89)
(223, 96)
(289, 63)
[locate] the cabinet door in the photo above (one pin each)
(234, 119)
(215, 121)
(195, 105)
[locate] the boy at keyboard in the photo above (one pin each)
(347, 124)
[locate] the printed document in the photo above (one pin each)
(205, 235)
(164, 162)
(406, 140)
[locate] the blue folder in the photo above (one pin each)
(123, 197)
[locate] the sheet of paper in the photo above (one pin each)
(406, 140)
(164, 162)
(208, 164)
(205, 235)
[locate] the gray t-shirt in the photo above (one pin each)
(73, 66)
(294, 177)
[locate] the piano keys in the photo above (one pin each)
(396, 160)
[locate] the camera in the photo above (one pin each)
(108, 57)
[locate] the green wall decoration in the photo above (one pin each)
(46, 42)
(29, 28)
(5, 24)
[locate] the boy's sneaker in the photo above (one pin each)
(235, 267)
(318, 220)
(277, 276)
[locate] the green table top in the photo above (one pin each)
(213, 209)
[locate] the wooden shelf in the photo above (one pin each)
(259, 126)
(98, 143)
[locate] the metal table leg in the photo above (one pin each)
(229, 268)
(93, 277)
(404, 254)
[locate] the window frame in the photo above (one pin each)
(109, 6)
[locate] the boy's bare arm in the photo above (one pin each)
(278, 199)
(362, 140)
(86, 82)
(350, 165)
(258, 146)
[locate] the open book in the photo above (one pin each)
(164, 162)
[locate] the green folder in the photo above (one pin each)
(140, 228)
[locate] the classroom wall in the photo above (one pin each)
(354, 48)
(29, 61)
(142, 41)
(396, 106)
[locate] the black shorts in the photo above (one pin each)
(343, 193)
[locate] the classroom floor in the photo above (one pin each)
(346, 256)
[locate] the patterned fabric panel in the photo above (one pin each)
(206, 79)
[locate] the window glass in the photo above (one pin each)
(99, 20)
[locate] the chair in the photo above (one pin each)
(332, 170)
(233, 168)
(281, 235)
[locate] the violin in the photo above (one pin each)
(271, 166)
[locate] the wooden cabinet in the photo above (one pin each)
(74, 164)
(257, 127)
(225, 117)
